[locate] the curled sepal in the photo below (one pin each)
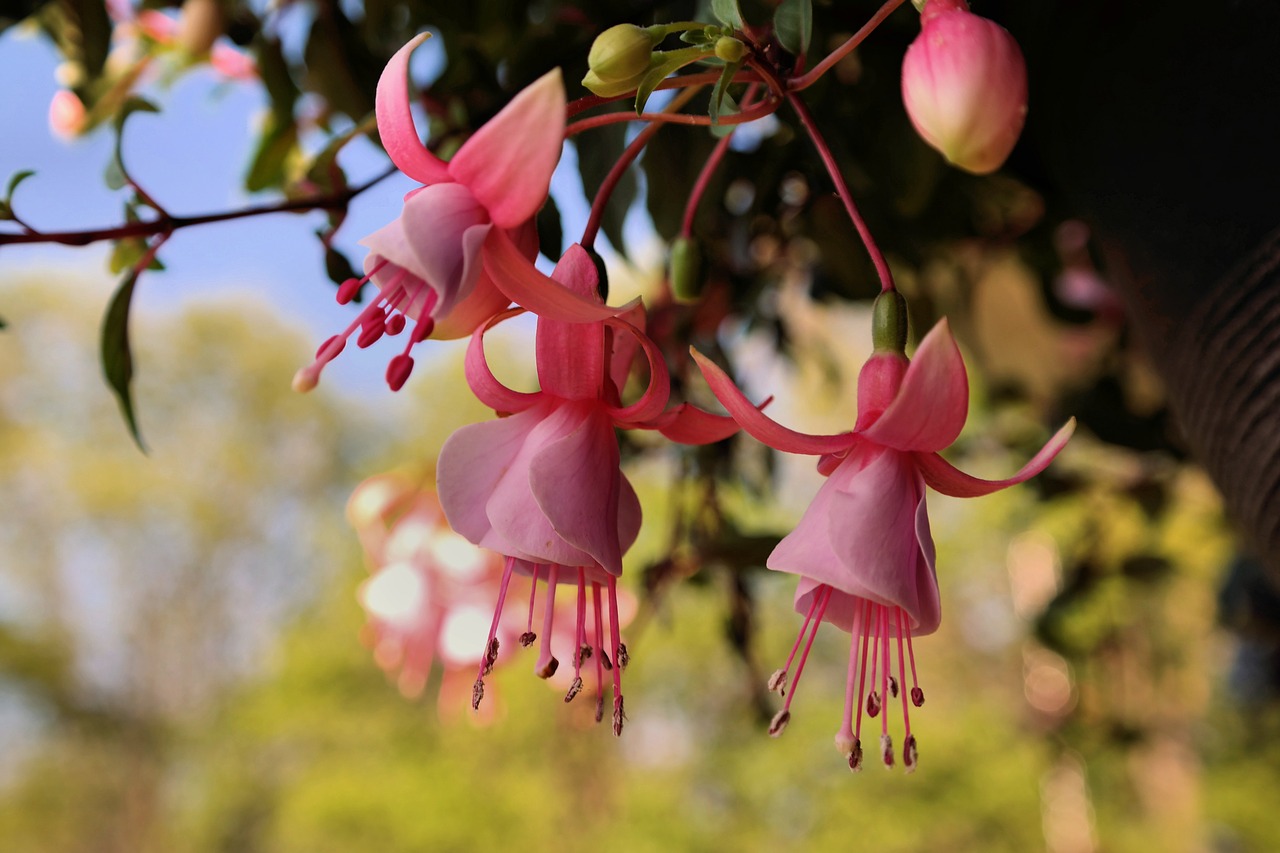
(484, 384)
(687, 424)
(395, 121)
(655, 397)
(760, 425)
(515, 276)
(944, 477)
(933, 401)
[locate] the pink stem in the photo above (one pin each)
(804, 81)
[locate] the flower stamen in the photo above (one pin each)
(821, 600)
(547, 663)
(491, 645)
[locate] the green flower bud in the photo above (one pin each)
(620, 53)
(606, 89)
(686, 269)
(889, 322)
(730, 49)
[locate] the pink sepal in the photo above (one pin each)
(687, 424)
(507, 163)
(571, 356)
(944, 477)
(761, 426)
(395, 121)
(933, 401)
(655, 397)
(484, 384)
(523, 284)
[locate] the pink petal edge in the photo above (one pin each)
(687, 424)
(944, 477)
(395, 121)
(759, 425)
(933, 402)
(655, 397)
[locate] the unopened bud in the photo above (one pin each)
(730, 49)
(889, 322)
(686, 269)
(779, 722)
(620, 53)
(964, 84)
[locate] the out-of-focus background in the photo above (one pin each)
(187, 656)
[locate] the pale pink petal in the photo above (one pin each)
(508, 162)
(944, 477)
(932, 403)
(520, 525)
(875, 529)
(576, 481)
(472, 462)
(570, 356)
(395, 121)
(629, 514)
(484, 384)
(446, 227)
(390, 243)
(762, 427)
(520, 280)
(655, 397)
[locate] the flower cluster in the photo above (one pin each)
(541, 487)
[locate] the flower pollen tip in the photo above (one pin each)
(917, 696)
(624, 657)
(893, 686)
(584, 654)
(886, 751)
(490, 656)
(873, 704)
(546, 669)
(599, 708)
(778, 682)
(574, 689)
(398, 371)
(305, 380)
(855, 756)
(910, 754)
(477, 693)
(779, 723)
(528, 638)
(619, 716)
(348, 290)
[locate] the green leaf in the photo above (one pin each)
(117, 358)
(274, 147)
(666, 64)
(728, 13)
(117, 175)
(793, 24)
(721, 90)
(727, 108)
(17, 178)
(337, 267)
(322, 169)
(274, 70)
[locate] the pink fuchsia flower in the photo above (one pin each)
(434, 264)
(964, 84)
(427, 594)
(863, 549)
(543, 485)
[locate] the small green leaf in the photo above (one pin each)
(793, 24)
(337, 267)
(666, 64)
(728, 13)
(6, 212)
(721, 90)
(321, 171)
(728, 107)
(116, 175)
(18, 178)
(274, 147)
(117, 358)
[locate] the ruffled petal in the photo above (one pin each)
(944, 477)
(446, 227)
(472, 462)
(875, 531)
(655, 397)
(932, 403)
(576, 482)
(519, 520)
(395, 121)
(508, 162)
(520, 280)
(571, 356)
(484, 384)
(762, 427)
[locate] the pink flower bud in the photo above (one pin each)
(964, 84)
(67, 115)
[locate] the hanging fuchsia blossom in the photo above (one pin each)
(863, 549)
(964, 84)
(431, 264)
(543, 485)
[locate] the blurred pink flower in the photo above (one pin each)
(964, 84)
(863, 549)
(66, 114)
(429, 588)
(543, 485)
